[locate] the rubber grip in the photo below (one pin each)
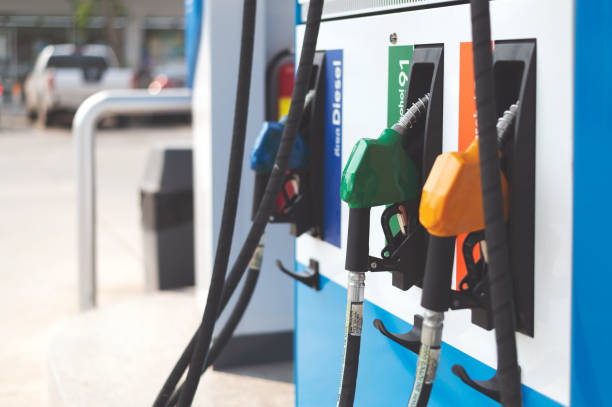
(358, 241)
(438, 273)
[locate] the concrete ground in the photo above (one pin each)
(38, 276)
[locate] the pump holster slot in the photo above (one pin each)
(301, 198)
(313, 129)
(423, 144)
(514, 65)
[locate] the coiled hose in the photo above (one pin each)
(502, 300)
(267, 204)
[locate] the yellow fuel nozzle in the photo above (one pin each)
(451, 202)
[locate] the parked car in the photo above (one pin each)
(65, 75)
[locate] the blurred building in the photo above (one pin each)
(150, 32)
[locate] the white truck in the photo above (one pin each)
(65, 75)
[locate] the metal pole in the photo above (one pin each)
(97, 106)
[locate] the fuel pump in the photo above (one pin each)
(482, 192)
(378, 172)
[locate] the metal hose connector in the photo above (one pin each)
(429, 356)
(431, 333)
(256, 258)
(356, 286)
(504, 122)
(412, 115)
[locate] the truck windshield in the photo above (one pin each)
(77, 61)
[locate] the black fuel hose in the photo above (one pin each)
(228, 329)
(502, 301)
(228, 218)
(266, 207)
(183, 361)
(357, 263)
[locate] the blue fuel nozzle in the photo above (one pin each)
(267, 144)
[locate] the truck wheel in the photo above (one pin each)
(31, 114)
(45, 117)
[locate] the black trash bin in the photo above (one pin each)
(166, 199)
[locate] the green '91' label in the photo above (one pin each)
(400, 58)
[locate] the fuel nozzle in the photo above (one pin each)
(451, 203)
(292, 204)
(379, 172)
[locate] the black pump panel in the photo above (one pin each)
(315, 137)
(424, 144)
(514, 65)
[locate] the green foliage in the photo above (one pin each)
(83, 11)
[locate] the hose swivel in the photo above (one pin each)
(504, 122)
(413, 114)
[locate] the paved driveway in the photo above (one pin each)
(38, 240)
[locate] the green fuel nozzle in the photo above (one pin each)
(380, 171)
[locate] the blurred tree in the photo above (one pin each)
(109, 10)
(84, 10)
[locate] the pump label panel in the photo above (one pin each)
(400, 58)
(334, 72)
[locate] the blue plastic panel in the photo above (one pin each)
(592, 277)
(193, 29)
(334, 90)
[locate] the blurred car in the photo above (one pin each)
(65, 75)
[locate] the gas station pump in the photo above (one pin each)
(453, 182)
